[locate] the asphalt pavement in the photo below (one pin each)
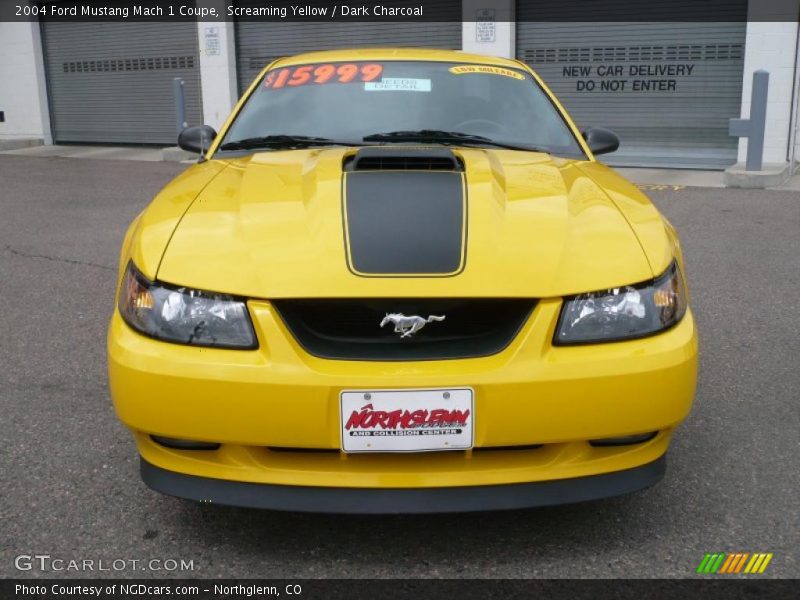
(69, 482)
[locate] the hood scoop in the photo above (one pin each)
(403, 159)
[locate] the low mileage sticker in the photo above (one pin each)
(486, 70)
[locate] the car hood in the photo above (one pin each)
(272, 225)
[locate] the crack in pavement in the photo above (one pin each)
(71, 261)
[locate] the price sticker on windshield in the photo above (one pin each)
(322, 74)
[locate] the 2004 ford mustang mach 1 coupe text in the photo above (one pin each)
(399, 281)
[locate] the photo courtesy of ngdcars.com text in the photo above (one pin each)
(414, 298)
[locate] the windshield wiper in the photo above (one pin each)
(443, 137)
(282, 141)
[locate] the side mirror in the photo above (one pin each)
(599, 140)
(197, 139)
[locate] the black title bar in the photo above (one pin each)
(560, 11)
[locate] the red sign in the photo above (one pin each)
(321, 74)
(368, 418)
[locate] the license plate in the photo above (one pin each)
(406, 420)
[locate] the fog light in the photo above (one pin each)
(183, 444)
(626, 440)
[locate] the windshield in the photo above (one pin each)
(416, 101)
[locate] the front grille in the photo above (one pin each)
(350, 329)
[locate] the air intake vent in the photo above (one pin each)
(403, 159)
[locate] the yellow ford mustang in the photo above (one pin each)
(399, 281)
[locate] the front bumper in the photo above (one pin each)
(275, 412)
(400, 500)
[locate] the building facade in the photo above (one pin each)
(668, 89)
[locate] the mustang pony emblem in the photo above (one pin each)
(408, 326)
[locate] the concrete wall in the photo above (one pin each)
(23, 95)
(795, 134)
(772, 46)
(488, 27)
(217, 66)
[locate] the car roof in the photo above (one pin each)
(424, 54)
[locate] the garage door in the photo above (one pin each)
(259, 43)
(667, 89)
(112, 82)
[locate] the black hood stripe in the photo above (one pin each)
(405, 223)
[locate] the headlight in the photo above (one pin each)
(182, 315)
(625, 312)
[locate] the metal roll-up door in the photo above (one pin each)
(666, 88)
(259, 42)
(112, 82)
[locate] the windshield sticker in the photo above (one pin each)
(486, 69)
(321, 74)
(399, 84)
